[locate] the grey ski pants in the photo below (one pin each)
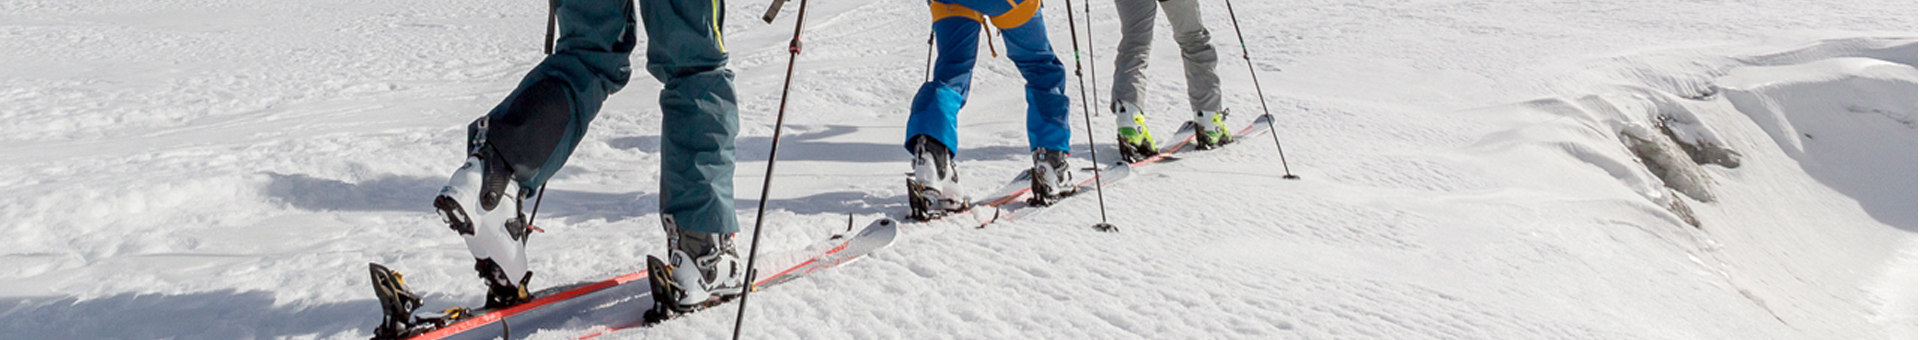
(1136, 40)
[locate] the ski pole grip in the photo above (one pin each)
(773, 11)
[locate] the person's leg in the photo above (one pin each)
(1048, 134)
(538, 125)
(686, 53)
(933, 189)
(529, 135)
(1047, 103)
(1196, 48)
(1130, 57)
(935, 107)
(1129, 74)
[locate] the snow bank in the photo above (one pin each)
(1848, 121)
(1761, 146)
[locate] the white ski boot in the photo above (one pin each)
(1210, 130)
(482, 203)
(1052, 178)
(933, 190)
(1136, 142)
(701, 269)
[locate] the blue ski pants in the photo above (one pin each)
(957, 25)
(538, 125)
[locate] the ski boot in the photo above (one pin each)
(482, 203)
(396, 304)
(1051, 177)
(1136, 142)
(1211, 130)
(702, 269)
(933, 190)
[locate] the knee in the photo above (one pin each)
(1042, 68)
(1136, 43)
(1194, 39)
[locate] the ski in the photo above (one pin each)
(622, 302)
(1186, 137)
(1117, 172)
(1007, 203)
(877, 235)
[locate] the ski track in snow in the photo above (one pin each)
(1472, 170)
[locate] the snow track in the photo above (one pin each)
(1621, 169)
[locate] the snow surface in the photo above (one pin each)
(1472, 170)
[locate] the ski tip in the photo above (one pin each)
(884, 227)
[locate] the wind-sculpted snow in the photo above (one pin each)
(1844, 120)
(1620, 169)
(1848, 121)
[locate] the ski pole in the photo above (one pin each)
(553, 7)
(536, 206)
(1087, 113)
(929, 55)
(1256, 90)
(1093, 63)
(779, 121)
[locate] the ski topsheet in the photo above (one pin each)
(622, 301)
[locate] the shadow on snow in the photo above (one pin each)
(224, 314)
(415, 194)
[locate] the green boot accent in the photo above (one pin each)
(1213, 131)
(1136, 141)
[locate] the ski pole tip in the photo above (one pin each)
(1106, 227)
(1291, 177)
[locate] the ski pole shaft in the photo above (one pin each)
(553, 7)
(1245, 55)
(929, 55)
(779, 121)
(1093, 63)
(1087, 114)
(536, 203)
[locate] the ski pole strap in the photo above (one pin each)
(990, 49)
(553, 18)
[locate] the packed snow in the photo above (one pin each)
(1620, 169)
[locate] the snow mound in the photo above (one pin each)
(1651, 142)
(1848, 121)
(1787, 162)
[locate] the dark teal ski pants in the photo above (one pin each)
(538, 125)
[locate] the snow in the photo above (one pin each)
(1620, 169)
